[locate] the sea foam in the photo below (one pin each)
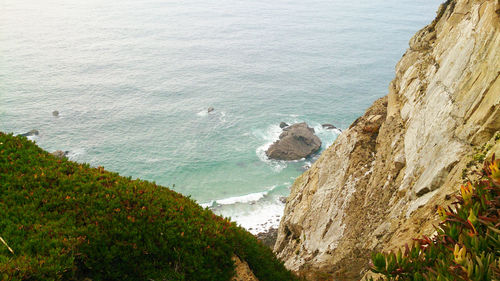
(269, 136)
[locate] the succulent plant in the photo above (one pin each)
(467, 243)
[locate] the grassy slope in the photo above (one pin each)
(68, 221)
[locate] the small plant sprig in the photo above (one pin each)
(467, 243)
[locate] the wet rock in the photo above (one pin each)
(296, 142)
(283, 125)
(210, 109)
(30, 133)
(329, 126)
(55, 113)
(268, 238)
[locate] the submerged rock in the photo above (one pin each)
(296, 142)
(55, 113)
(210, 109)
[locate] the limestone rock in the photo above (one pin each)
(377, 186)
(399, 162)
(296, 142)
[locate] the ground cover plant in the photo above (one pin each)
(467, 243)
(61, 220)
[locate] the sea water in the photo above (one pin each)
(133, 79)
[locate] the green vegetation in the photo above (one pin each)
(467, 243)
(68, 221)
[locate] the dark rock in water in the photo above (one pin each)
(55, 113)
(60, 154)
(210, 109)
(329, 126)
(283, 125)
(282, 199)
(296, 142)
(30, 133)
(268, 238)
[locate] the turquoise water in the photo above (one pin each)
(133, 79)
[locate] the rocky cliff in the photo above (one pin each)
(379, 183)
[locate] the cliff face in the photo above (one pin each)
(378, 185)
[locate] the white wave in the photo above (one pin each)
(270, 135)
(242, 199)
(222, 116)
(260, 218)
(256, 212)
(207, 205)
(249, 198)
(202, 113)
(327, 136)
(73, 154)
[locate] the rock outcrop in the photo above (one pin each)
(60, 154)
(296, 142)
(31, 133)
(379, 183)
(329, 126)
(242, 271)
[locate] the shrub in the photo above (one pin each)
(467, 243)
(67, 221)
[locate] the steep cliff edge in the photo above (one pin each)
(379, 183)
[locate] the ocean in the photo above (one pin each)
(133, 79)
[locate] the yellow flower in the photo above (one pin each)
(495, 170)
(494, 167)
(459, 254)
(472, 217)
(467, 192)
(442, 213)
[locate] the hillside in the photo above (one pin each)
(379, 184)
(62, 220)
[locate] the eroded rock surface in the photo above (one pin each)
(378, 185)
